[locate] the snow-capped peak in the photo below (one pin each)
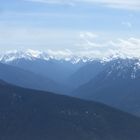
(35, 54)
(65, 55)
(13, 55)
(123, 68)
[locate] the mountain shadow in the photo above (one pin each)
(27, 114)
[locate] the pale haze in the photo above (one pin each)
(85, 27)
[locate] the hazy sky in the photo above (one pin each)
(94, 27)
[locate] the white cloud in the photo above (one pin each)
(97, 48)
(87, 40)
(88, 35)
(128, 47)
(124, 48)
(125, 4)
(88, 44)
(59, 54)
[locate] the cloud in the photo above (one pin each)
(128, 47)
(97, 48)
(59, 54)
(125, 4)
(68, 43)
(90, 40)
(87, 40)
(123, 48)
(88, 35)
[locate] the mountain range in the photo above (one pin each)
(113, 81)
(117, 85)
(41, 63)
(27, 114)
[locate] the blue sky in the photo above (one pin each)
(96, 26)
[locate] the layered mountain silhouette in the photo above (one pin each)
(27, 114)
(114, 81)
(57, 70)
(27, 79)
(117, 85)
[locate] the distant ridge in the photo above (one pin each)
(63, 55)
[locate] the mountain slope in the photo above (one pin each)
(85, 73)
(43, 64)
(29, 114)
(57, 70)
(117, 85)
(27, 79)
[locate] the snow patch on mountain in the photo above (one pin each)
(124, 68)
(30, 54)
(65, 55)
(13, 55)
(118, 66)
